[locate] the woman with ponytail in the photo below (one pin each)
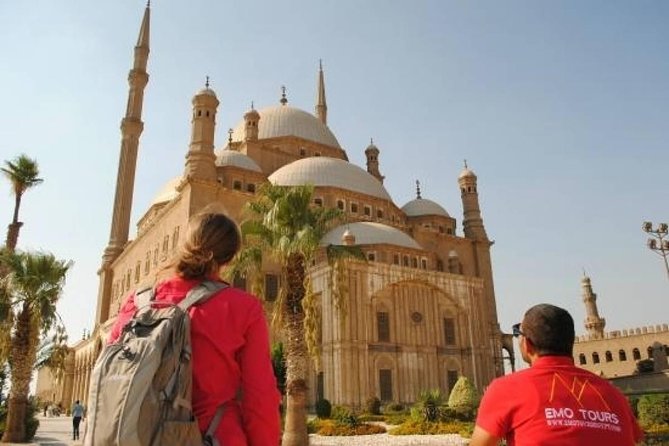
(229, 337)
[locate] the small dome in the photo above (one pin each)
(423, 206)
(467, 173)
(168, 192)
(324, 171)
(253, 113)
(206, 91)
(283, 120)
(368, 233)
(371, 147)
(227, 157)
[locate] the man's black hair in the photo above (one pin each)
(550, 329)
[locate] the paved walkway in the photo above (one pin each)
(57, 431)
(53, 431)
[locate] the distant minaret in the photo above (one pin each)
(372, 154)
(200, 159)
(593, 323)
(251, 119)
(321, 105)
(131, 129)
(472, 222)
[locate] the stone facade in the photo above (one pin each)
(418, 314)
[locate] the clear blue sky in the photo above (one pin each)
(561, 108)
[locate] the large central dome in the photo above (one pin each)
(324, 171)
(283, 120)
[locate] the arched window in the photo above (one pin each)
(581, 359)
(622, 356)
(609, 356)
(595, 358)
(650, 352)
(636, 354)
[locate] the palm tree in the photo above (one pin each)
(284, 227)
(27, 310)
(23, 173)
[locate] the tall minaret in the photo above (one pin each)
(472, 222)
(131, 129)
(372, 154)
(481, 266)
(593, 323)
(200, 159)
(321, 105)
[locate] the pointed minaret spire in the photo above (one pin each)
(206, 82)
(321, 104)
(418, 190)
(143, 37)
(594, 324)
(230, 132)
(283, 100)
(131, 129)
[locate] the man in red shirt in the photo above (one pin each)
(553, 402)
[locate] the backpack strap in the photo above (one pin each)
(210, 435)
(144, 296)
(201, 293)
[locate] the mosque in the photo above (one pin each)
(421, 310)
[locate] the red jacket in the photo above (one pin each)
(230, 352)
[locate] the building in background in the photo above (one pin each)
(421, 310)
(616, 353)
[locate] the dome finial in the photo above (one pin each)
(418, 190)
(320, 64)
(206, 82)
(371, 141)
(252, 108)
(466, 164)
(230, 131)
(283, 100)
(148, 3)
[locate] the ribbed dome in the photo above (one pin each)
(168, 192)
(227, 157)
(368, 233)
(423, 206)
(324, 171)
(283, 120)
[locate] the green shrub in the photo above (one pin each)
(413, 427)
(634, 404)
(464, 396)
(397, 418)
(653, 409)
(394, 407)
(345, 415)
(373, 405)
(31, 421)
(370, 417)
(323, 408)
(427, 406)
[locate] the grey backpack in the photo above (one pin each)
(140, 390)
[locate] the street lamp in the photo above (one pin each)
(658, 244)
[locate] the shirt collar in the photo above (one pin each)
(551, 361)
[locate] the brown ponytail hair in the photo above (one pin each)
(213, 240)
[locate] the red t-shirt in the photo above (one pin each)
(230, 345)
(555, 403)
